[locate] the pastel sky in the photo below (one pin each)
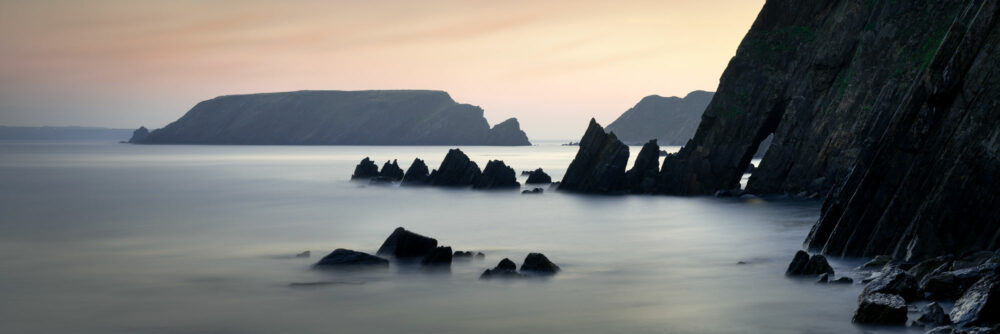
(551, 64)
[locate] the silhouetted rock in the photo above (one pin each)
(139, 135)
(933, 316)
(641, 179)
(538, 176)
(881, 309)
(894, 281)
(417, 174)
(533, 191)
(388, 117)
(440, 256)
(496, 175)
(539, 264)
(670, 120)
(341, 258)
(391, 171)
(365, 170)
(804, 265)
(599, 165)
(405, 244)
(466, 255)
(505, 269)
(456, 170)
(980, 305)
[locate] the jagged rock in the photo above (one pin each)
(933, 316)
(365, 170)
(804, 265)
(875, 264)
(496, 175)
(304, 254)
(391, 171)
(466, 255)
(405, 244)
(533, 191)
(342, 258)
(539, 264)
(505, 269)
(382, 117)
(139, 135)
(894, 281)
(980, 305)
(880, 309)
(641, 179)
(599, 165)
(440, 256)
(417, 174)
(922, 269)
(538, 176)
(456, 170)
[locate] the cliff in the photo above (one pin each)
(403, 117)
(672, 121)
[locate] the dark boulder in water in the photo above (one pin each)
(641, 179)
(804, 265)
(466, 255)
(417, 173)
(345, 258)
(496, 175)
(405, 244)
(538, 176)
(880, 309)
(391, 171)
(894, 281)
(539, 264)
(365, 170)
(440, 256)
(505, 269)
(533, 191)
(599, 165)
(980, 305)
(456, 170)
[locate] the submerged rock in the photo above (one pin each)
(456, 170)
(466, 255)
(804, 265)
(496, 175)
(533, 191)
(365, 170)
(538, 176)
(641, 179)
(417, 173)
(405, 244)
(391, 171)
(880, 309)
(349, 258)
(599, 165)
(440, 256)
(980, 305)
(505, 269)
(539, 264)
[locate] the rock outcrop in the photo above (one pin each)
(894, 281)
(388, 117)
(417, 174)
(405, 244)
(670, 120)
(804, 265)
(980, 305)
(496, 175)
(440, 256)
(538, 176)
(391, 171)
(880, 309)
(139, 135)
(641, 179)
(599, 165)
(366, 169)
(538, 264)
(345, 258)
(505, 269)
(456, 170)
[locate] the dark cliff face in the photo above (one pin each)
(599, 165)
(670, 120)
(337, 118)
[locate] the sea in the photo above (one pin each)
(103, 237)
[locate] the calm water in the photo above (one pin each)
(114, 238)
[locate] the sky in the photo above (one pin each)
(551, 64)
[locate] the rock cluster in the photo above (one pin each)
(535, 264)
(402, 245)
(456, 170)
(804, 265)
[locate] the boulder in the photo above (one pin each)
(505, 269)
(875, 264)
(345, 258)
(365, 170)
(539, 264)
(941, 286)
(925, 267)
(804, 265)
(417, 173)
(391, 171)
(538, 176)
(440, 256)
(533, 191)
(641, 179)
(933, 316)
(980, 305)
(893, 281)
(456, 170)
(599, 165)
(496, 175)
(880, 309)
(405, 244)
